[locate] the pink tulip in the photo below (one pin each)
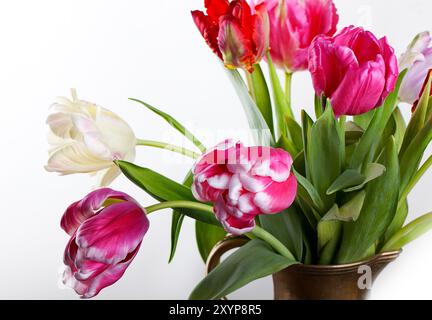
(418, 60)
(238, 33)
(293, 26)
(354, 69)
(106, 229)
(244, 182)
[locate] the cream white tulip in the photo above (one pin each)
(86, 138)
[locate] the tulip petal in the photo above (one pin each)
(277, 196)
(361, 89)
(230, 219)
(113, 233)
(80, 211)
(328, 64)
(235, 47)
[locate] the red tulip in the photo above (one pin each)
(354, 69)
(106, 229)
(293, 26)
(236, 32)
(244, 182)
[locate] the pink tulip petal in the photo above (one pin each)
(369, 81)
(277, 197)
(233, 221)
(81, 210)
(112, 234)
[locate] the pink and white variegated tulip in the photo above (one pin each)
(418, 60)
(86, 138)
(244, 182)
(106, 229)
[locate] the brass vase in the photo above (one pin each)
(318, 282)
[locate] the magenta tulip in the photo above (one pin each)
(354, 69)
(106, 229)
(293, 26)
(244, 182)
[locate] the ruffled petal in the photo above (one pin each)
(277, 196)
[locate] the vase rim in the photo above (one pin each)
(384, 257)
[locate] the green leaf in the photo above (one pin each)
(173, 123)
(307, 124)
(310, 191)
(418, 119)
(295, 132)
(377, 212)
(253, 261)
(325, 149)
(411, 159)
(177, 220)
(347, 179)
(163, 189)
(257, 123)
(287, 228)
(319, 103)
(329, 234)
(176, 224)
(282, 106)
(353, 133)
(372, 172)
(398, 220)
(207, 236)
(287, 145)
(260, 93)
(350, 211)
(365, 119)
(409, 233)
(367, 144)
(400, 127)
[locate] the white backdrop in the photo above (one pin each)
(111, 50)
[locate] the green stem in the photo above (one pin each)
(413, 182)
(258, 232)
(409, 233)
(167, 146)
(181, 204)
(288, 86)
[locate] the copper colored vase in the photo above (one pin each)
(310, 282)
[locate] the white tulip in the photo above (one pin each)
(86, 138)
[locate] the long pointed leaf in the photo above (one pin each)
(257, 124)
(173, 123)
(253, 261)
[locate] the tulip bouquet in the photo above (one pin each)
(329, 188)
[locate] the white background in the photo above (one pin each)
(112, 50)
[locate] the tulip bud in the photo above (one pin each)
(418, 60)
(244, 182)
(354, 69)
(237, 32)
(293, 26)
(86, 138)
(106, 229)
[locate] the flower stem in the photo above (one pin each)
(258, 232)
(167, 146)
(288, 87)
